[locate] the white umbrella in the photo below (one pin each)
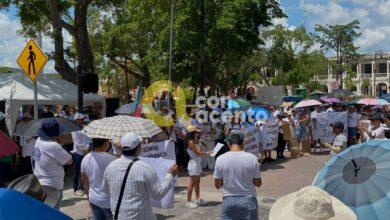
(117, 126)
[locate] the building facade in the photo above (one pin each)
(372, 76)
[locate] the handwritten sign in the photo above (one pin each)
(325, 119)
(164, 149)
(272, 132)
(251, 140)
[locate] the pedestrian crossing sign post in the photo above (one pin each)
(32, 60)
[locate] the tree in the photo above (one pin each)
(339, 39)
(54, 16)
(232, 30)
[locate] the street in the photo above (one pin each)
(279, 178)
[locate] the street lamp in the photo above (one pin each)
(378, 53)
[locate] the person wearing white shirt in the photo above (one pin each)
(340, 141)
(92, 170)
(237, 173)
(376, 131)
(353, 124)
(315, 122)
(81, 144)
(50, 158)
(142, 183)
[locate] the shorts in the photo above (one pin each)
(194, 168)
(353, 132)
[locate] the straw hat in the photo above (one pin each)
(310, 203)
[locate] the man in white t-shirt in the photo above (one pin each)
(81, 144)
(92, 174)
(50, 158)
(353, 124)
(340, 141)
(238, 173)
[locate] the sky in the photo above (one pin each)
(374, 16)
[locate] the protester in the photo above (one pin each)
(92, 172)
(66, 113)
(50, 158)
(27, 144)
(180, 133)
(340, 141)
(81, 143)
(315, 127)
(207, 143)
(281, 142)
(47, 113)
(353, 123)
(375, 131)
(140, 185)
(386, 125)
(238, 173)
(194, 166)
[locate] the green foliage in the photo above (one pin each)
(289, 54)
(4, 69)
(339, 39)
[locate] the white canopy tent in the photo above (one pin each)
(18, 90)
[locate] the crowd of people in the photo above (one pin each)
(120, 186)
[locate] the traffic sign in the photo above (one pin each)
(32, 60)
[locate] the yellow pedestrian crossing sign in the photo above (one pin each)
(32, 60)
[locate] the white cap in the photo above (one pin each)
(130, 140)
(78, 116)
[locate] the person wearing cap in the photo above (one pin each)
(376, 130)
(237, 173)
(353, 123)
(81, 144)
(310, 203)
(92, 170)
(340, 141)
(50, 158)
(142, 184)
(194, 165)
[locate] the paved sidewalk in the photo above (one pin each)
(279, 178)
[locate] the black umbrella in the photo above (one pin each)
(31, 128)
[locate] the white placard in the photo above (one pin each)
(251, 140)
(162, 166)
(272, 132)
(325, 131)
(164, 149)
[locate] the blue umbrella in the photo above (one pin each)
(15, 205)
(259, 113)
(360, 178)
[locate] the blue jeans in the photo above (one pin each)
(76, 171)
(239, 207)
(100, 213)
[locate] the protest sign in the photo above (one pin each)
(164, 149)
(162, 166)
(271, 130)
(325, 119)
(251, 140)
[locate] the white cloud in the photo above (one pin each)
(374, 17)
